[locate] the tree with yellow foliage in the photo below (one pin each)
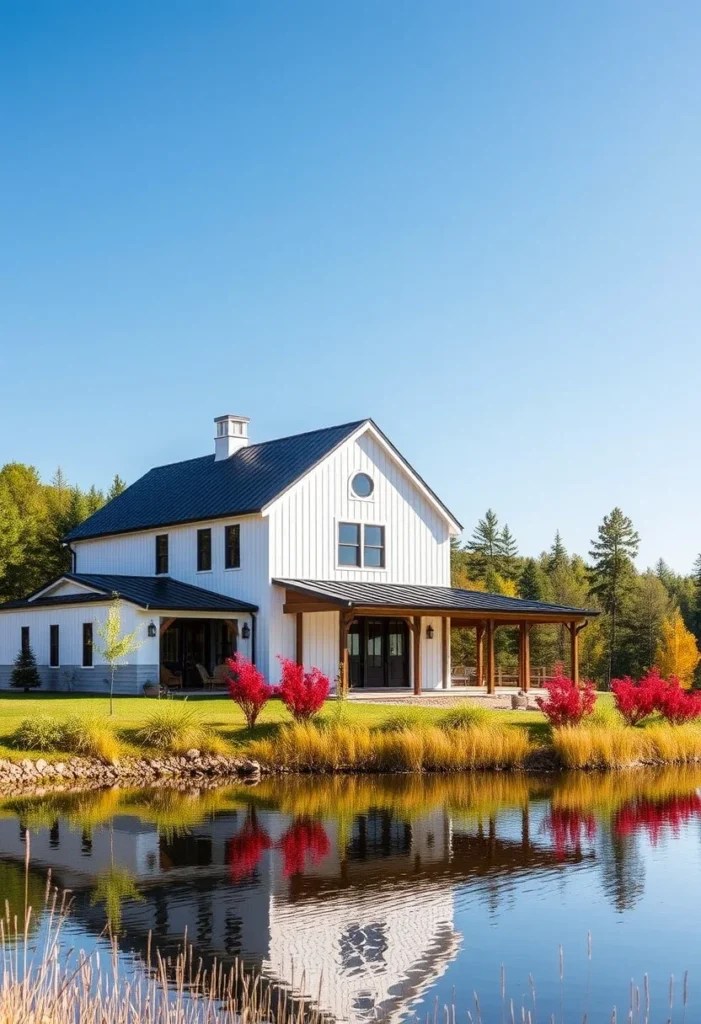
(677, 653)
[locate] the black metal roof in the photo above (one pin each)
(154, 592)
(203, 488)
(401, 595)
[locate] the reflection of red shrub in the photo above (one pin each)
(653, 817)
(567, 829)
(302, 693)
(566, 704)
(635, 701)
(244, 850)
(303, 839)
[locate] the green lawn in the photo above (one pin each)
(218, 712)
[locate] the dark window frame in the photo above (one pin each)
(25, 643)
(161, 545)
(361, 547)
(54, 646)
(344, 545)
(87, 645)
(232, 546)
(204, 549)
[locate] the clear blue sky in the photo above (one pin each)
(477, 223)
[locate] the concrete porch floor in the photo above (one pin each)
(444, 698)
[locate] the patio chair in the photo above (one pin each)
(173, 680)
(221, 677)
(207, 680)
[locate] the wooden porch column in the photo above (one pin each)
(479, 672)
(524, 657)
(299, 639)
(445, 641)
(417, 654)
(344, 621)
(490, 656)
(574, 652)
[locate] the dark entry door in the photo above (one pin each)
(378, 653)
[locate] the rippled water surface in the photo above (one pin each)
(392, 893)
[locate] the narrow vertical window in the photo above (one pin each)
(374, 547)
(54, 653)
(204, 550)
(348, 544)
(232, 546)
(87, 645)
(161, 554)
(25, 639)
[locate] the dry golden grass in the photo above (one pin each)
(596, 747)
(331, 748)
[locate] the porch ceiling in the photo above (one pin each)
(395, 598)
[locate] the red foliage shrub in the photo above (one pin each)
(303, 693)
(635, 701)
(303, 839)
(248, 688)
(244, 850)
(654, 817)
(566, 704)
(678, 705)
(567, 828)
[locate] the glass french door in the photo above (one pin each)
(378, 653)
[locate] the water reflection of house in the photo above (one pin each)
(371, 924)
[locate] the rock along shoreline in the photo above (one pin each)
(194, 767)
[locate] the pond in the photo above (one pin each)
(380, 896)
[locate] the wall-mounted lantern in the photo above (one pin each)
(152, 628)
(245, 631)
(429, 632)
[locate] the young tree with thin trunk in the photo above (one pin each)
(113, 645)
(612, 572)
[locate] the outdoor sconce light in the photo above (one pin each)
(429, 632)
(245, 631)
(152, 628)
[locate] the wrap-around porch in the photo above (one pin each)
(393, 636)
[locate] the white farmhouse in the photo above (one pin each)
(326, 547)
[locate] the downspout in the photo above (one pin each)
(253, 638)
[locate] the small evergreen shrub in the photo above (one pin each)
(25, 674)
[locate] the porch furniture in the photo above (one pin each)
(221, 677)
(207, 680)
(173, 680)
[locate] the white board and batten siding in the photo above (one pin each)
(134, 554)
(303, 533)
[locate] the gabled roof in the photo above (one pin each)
(349, 594)
(151, 592)
(198, 489)
(244, 484)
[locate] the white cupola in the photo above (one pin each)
(231, 435)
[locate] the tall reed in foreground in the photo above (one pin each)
(594, 747)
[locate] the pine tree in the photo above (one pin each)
(508, 554)
(485, 545)
(532, 585)
(117, 487)
(650, 605)
(696, 601)
(612, 572)
(94, 500)
(25, 674)
(558, 554)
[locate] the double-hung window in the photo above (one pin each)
(361, 545)
(54, 652)
(204, 550)
(161, 554)
(232, 546)
(25, 639)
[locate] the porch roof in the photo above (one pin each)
(150, 592)
(458, 603)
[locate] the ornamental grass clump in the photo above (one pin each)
(86, 737)
(591, 747)
(403, 718)
(173, 727)
(465, 716)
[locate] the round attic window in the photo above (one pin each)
(362, 485)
